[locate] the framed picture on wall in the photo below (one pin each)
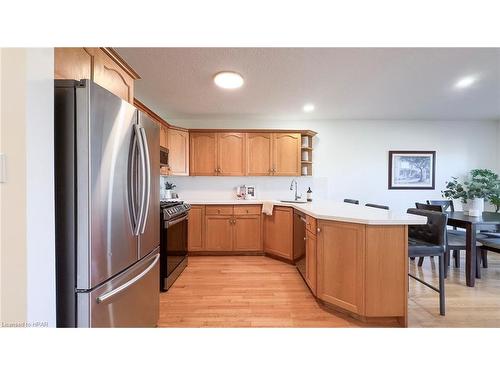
(412, 170)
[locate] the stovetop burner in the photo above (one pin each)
(173, 209)
(167, 204)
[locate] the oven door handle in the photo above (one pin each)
(169, 224)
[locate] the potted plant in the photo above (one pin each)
(482, 184)
(168, 190)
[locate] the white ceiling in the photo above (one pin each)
(343, 83)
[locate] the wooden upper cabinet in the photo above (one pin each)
(231, 154)
(278, 232)
(286, 154)
(178, 151)
(102, 65)
(108, 74)
(203, 154)
(73, 63)
(259, 154)
(341, 265)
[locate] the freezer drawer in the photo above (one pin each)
(131, 299)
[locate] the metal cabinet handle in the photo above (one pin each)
(318, 230)
(305, 238)
(122, 287)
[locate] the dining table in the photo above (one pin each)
(472, 224)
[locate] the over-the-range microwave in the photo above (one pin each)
(163, 156)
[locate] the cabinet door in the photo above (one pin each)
(340, 264)
(311, 261)
(72, 63)
(286, 154)
(112, 77)
(247, 233)
(203, 154)
(195, 228)
(231, 154)
(218, 233)
(259, 155)
(178, 152)
(278, 232)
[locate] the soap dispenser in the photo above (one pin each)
(309, 195)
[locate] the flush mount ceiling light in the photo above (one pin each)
(465, 82)
(228, 80)
(308, 107)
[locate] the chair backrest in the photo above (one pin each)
(429, 207)
(434, 231)
(353, 201)
(446, 204)
(377, 206)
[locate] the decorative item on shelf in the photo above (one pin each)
(304, 170)
(309, 194)
(412, 170)
(250, 192)
(305, 156)
(168, 192)
(480, 185)
(305, 141)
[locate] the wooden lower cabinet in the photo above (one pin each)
(196, 228)
(341, 265)
(278, 233)
(311, 254)
(224, 228)
(247, 233)
(219, 233)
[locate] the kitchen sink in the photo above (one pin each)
(292, 201)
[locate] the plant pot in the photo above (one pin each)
(168, 194)
(476, 207)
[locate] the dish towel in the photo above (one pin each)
(267, 208)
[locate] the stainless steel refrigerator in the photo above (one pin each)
(107, 209)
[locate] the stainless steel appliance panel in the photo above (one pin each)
(130, 299)
(150, 227)
(105, 139)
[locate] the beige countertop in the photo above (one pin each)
(330, 210)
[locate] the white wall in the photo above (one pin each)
(27, 213)
(351, 158)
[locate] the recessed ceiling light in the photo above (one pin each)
(308, 107)
(228, 80)
(464, 82)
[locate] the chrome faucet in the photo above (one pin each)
(297, 196)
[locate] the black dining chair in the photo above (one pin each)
(382, 207)
(429, 240)
(353, 201)
(487, 244)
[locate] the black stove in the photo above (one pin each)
(173, 241)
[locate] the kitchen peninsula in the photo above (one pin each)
(355, 257)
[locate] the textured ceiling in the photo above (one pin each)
(343, 83)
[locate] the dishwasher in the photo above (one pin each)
(299, 241)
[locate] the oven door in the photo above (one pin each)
(174, 249)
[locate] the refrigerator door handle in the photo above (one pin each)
(133, 186)
(121, 288)
(142, 176)
(148, 179)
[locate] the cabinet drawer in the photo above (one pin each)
(219, 210)
(311, 224)
(247, 209)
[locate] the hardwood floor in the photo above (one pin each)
(256, 291)
(465, 307)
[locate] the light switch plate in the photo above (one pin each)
(2, 168)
